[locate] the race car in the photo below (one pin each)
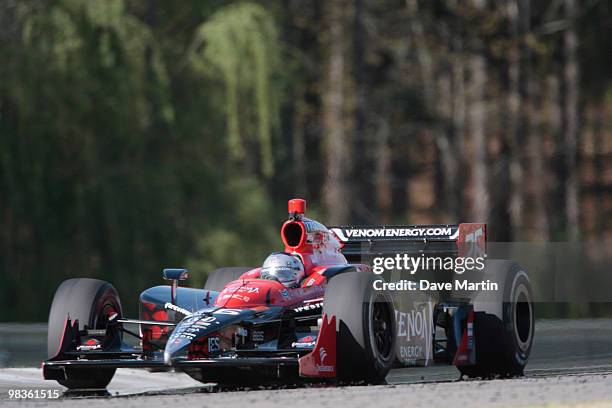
(315, 311)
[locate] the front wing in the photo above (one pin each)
(317, 362)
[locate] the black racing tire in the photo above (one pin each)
(366, 336)
(503, 345)
(218, 278)
(91, 301)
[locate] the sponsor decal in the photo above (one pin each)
(230, 312)
(206, 321)
(411, 353)
(311, 306)
(238, 296)
(248, 289)
(192, 325)
(177, 309)
(257, 335)
(305, 342)
(213, 344)
(322, 354)
(321, 367)
(347, 234)
(90, 344)
(412, 324)
(200, 320)
(414, 333)
(284, 293)
(300, 344)
(310, 282)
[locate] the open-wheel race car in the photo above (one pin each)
(313, 311)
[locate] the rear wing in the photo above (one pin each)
(445, 239)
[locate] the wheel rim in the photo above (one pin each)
(381, 327)
(523, 317)
(107, 307)
(102, 319)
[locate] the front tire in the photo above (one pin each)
(365, 341)
(91, 302)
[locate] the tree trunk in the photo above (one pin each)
(571, 129)
(446, 143)
(515, 118)
(458, 124)
(337, 140)
(384, 191)
(436, 76)
(538, 174)
(555, 119)
(365, 208)
(477, 125)
(599, 135)
(301, 116)
(298, 152)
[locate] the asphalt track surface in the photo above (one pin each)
(571, 365)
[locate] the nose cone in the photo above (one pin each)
(199, 326)
(175, 349)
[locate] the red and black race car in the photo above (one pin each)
(336, 321)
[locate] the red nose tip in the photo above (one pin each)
(297, 206)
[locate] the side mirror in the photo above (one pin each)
(175, 275)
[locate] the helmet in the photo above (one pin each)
(282, 267)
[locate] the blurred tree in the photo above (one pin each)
(98, 184)
(239, 45)
(570, 119)
(477, 118)
(138, 134)
(337, 122)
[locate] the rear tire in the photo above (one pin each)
(218, 278)
(365, 341)
(503, 344)
(91, 302)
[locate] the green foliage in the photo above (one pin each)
(102, 173)
(239, 46)
(137, 135)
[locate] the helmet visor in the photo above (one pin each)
(280, 273)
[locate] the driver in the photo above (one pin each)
(284, 268)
